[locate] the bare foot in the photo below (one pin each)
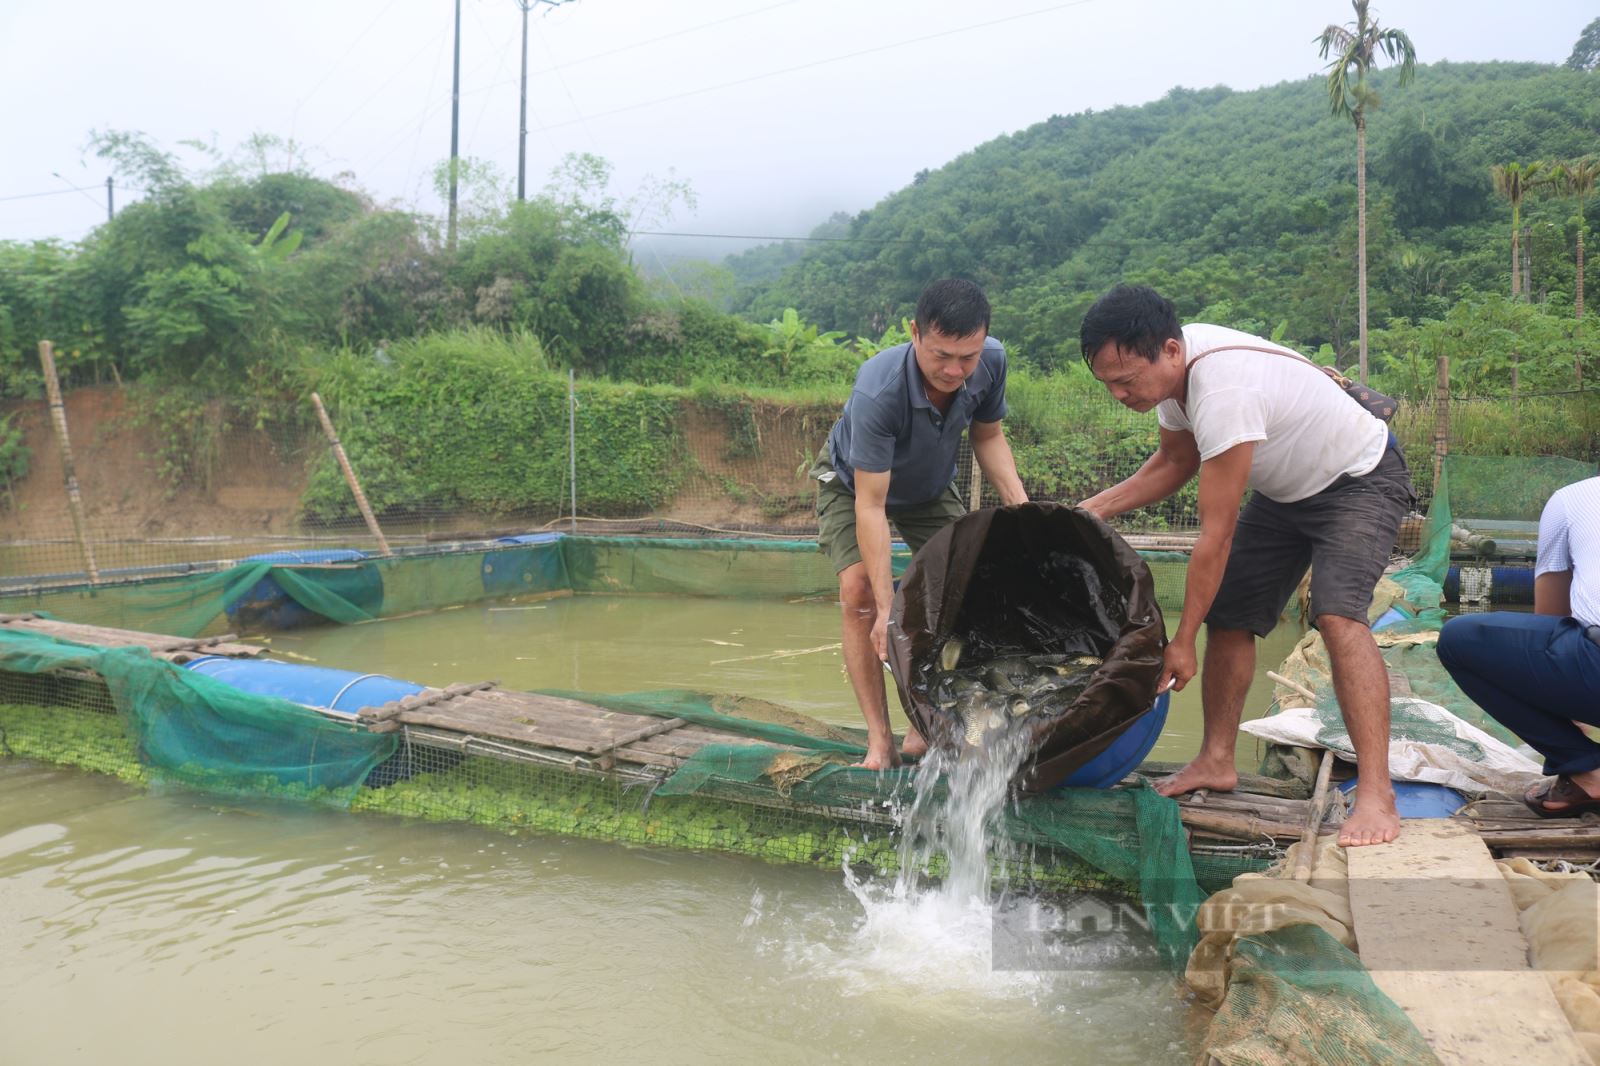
(1374, 820)
(915, 746)
(880, 756)
(1201, 773)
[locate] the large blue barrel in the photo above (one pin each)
(339, 690)
(266, 606)
(1125, 753)
(529, 562)
(313, 686)
(1507, 584)
(1419, 799)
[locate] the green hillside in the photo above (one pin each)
(1238, 205)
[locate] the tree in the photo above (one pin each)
(1586, 52)
(1577, 179)
(1354, 48)
(1514, 181)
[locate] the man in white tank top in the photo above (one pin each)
(1539, 673)
(1330, 488)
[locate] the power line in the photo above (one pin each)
(50, 192)
(85, 189)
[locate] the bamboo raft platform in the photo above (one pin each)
(173, 649)
(483, 719)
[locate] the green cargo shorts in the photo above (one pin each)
(836, 517)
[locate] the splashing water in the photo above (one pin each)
(931, 934)
(937, 930)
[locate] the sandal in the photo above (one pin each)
(1564, 791)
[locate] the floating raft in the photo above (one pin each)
(483, 719)
(173, 649)
(566, 730)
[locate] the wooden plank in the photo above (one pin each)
(157, 643)
(1440, 936)
(648, 758)
(654, 729)
(1541, 838)
(514, 731)
(591, 736)
(566, 712)
(1285, 809)
(425, 697)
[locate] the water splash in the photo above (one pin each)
(938, 935)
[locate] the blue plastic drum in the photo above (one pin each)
(1125, 753)
(312, 686)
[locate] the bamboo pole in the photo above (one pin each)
(1284, 681)
(1441, 418)
(1236, 824)
(977, 483)
(1307, 858)
(572, 442)
(350, 475)
(58, 419)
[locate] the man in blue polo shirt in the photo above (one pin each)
(892, 457)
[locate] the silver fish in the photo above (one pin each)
(950, 654)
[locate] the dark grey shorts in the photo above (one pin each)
(1344, 534)
(836, 517)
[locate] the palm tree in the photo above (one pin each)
(1577, 179)
(1354, 48)
(1514, 181)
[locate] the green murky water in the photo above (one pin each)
(176, 928)
(785, 652)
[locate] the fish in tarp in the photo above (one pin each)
(1037, 613)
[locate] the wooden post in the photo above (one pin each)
(1305, 862)
(1441, 418)
(58, 418)
(977, 483)
(572, 442)
(350, 475)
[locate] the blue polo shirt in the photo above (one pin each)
(890, 424)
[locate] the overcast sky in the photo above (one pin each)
(778, 112)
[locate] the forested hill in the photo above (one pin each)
(1241, 206)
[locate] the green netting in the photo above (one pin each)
(1299, 996)
(1509, 488)
(211, 602)
(192, 729)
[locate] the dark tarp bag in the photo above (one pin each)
(1033, 579)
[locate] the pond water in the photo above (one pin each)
(784, 652)
(179, 928)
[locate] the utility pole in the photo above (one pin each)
(522, 120)
(111, 209)
(455, 129)
(522, 123)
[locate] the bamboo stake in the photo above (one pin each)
(1236, 824)
(58, 419)
(1280, 679)
(977, 483)
(1306, 860)
(572, 442)
(350, 475)
(1441, 418)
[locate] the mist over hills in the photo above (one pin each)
(1238, 205)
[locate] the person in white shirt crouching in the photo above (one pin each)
(1330, 488)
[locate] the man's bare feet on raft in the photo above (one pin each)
(1374, 820)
